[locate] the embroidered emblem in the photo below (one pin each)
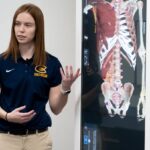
(40, 70)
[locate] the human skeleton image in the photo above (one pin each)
(117, 41)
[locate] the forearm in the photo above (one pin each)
(2, 114)
(58, 103)
(58, 95)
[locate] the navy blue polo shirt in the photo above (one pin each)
(23, 83)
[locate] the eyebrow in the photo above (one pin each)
(17, 21)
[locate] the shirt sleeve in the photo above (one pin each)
(56, 75)
(1, 69)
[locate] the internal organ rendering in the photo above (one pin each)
(116, 39)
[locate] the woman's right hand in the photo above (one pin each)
(16, 116)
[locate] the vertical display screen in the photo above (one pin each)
(113, 74)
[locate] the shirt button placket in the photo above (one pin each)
(26, 68)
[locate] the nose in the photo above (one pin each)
(21, 28)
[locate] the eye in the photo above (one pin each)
(17, 23)
(28, 24)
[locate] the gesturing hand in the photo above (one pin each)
(68, 77)
(17, 116)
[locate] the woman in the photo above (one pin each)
(29, 77)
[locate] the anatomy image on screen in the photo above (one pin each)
(117, 41)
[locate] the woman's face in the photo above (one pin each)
(24, 28)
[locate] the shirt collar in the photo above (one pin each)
(20, 59)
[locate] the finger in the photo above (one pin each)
(27, 119)
(77, 74)
(67, 72)
(71, 72)
(27, 114)
(20, 108)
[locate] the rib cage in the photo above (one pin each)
(125, 34)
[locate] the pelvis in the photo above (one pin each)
(117, 98)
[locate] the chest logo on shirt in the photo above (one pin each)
(9, 70)
(40, 71)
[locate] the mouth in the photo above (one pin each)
(21, 37)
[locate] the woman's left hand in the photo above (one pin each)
(68, 77)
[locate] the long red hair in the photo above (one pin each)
(39, 57)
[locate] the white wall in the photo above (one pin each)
(60, 41)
